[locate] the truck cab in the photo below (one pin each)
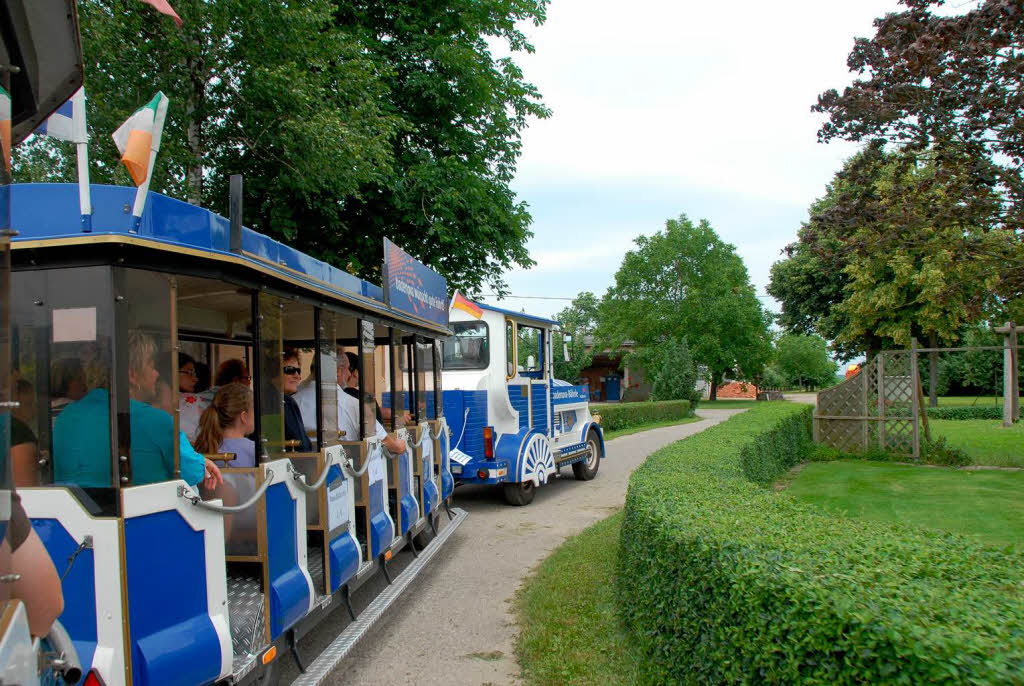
(512, 423)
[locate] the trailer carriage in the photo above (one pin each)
(165, 583)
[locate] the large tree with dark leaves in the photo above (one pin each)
(930, 82)
(350, 121)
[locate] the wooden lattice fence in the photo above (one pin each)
(879, 407)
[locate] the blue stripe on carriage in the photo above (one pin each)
(289, 593)
(173, 640)
(382, 530)
(521, 404)
(343, 551)
(79, 587)
(455, 404)
(540, 407)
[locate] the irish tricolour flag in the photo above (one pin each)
(138, 139)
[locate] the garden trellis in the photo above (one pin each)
(881, 406)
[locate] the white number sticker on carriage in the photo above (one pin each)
(376, 470)
(74, 324)
(337, 505)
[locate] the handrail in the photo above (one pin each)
(230, 509)
(465, 423)
(65, 661)
(300, 478)
(357, 473)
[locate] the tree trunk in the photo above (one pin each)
(713, 394)
(933, 371)
(194, 132)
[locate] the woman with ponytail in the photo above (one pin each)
(225, 423)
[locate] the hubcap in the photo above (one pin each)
(592, 455)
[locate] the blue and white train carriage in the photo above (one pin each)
(512, 422)
(166, 581)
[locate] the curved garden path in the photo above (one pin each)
(454, 625)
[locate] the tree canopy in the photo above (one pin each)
(349, 119)
(576, 321)
(685, 282)
(946, 88)
(881, 260)
(803, 361)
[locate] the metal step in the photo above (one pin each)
(318, 671)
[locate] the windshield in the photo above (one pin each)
(469, 348)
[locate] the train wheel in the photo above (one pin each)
(586, 470)
(519, 493)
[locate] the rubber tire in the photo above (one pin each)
(519, 494)
(583, 471)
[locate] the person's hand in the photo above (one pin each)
(407, 418)
(213, 476)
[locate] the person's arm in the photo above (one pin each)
(39, 586)
(23, 456)
(394, 444)
(195, 467)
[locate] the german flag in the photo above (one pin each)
(467, 306)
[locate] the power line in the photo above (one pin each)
(554, 297)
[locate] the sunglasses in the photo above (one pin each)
(189, 372)
(292, 370)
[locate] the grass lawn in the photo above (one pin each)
(571, 633)
(726, 404)
(988, 504)
(962, 400)
(609, 435)
(985, 440)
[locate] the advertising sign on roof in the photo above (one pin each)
(412, 287)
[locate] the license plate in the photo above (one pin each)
(456, 469)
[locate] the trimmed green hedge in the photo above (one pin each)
(628, 415)
(721, 580)
(966, 412)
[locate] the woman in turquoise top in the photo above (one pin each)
(81, 434)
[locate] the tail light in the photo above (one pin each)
(488, 442)
(93, 679)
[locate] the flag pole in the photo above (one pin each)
(142, 192)
(82, 148)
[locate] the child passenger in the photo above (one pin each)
(225, 423)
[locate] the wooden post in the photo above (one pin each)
(915, 380)
(1009, 373)
(880, 384)
(864, 373)
(1015, 391)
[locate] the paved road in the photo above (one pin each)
(461, 601)
(805, 398)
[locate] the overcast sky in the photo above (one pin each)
(664, 108)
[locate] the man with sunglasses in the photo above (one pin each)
(291, 376)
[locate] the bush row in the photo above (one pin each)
(628, 415)
(720, 580)
(967, 412)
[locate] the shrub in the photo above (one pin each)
(777, 450)
(967, 412)
(628, 415)
(675, 374)
(720, 580)
(942, 453)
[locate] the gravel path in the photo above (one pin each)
(454, 626)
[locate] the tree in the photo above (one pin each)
(888, 255)
(803, 361)
(685, 281)
(947, 83)
(576, 321)
(675, 374)
(350, 120)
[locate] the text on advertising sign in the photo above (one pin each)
(412, 287)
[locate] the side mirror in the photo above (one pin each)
(531, 362)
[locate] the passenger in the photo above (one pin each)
(226, 423)
(353, 384)
(202, 377)
(288, 382)
(348, 411)
(232, 371)
(23, 439)
(67, 383)
(187, 375)
(192, 405)
(81, 435)
(35, 581)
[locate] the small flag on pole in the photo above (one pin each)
(467, 306)
(164, 7)
(138, 139)
(68, 124)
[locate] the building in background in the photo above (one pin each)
(612, 380)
